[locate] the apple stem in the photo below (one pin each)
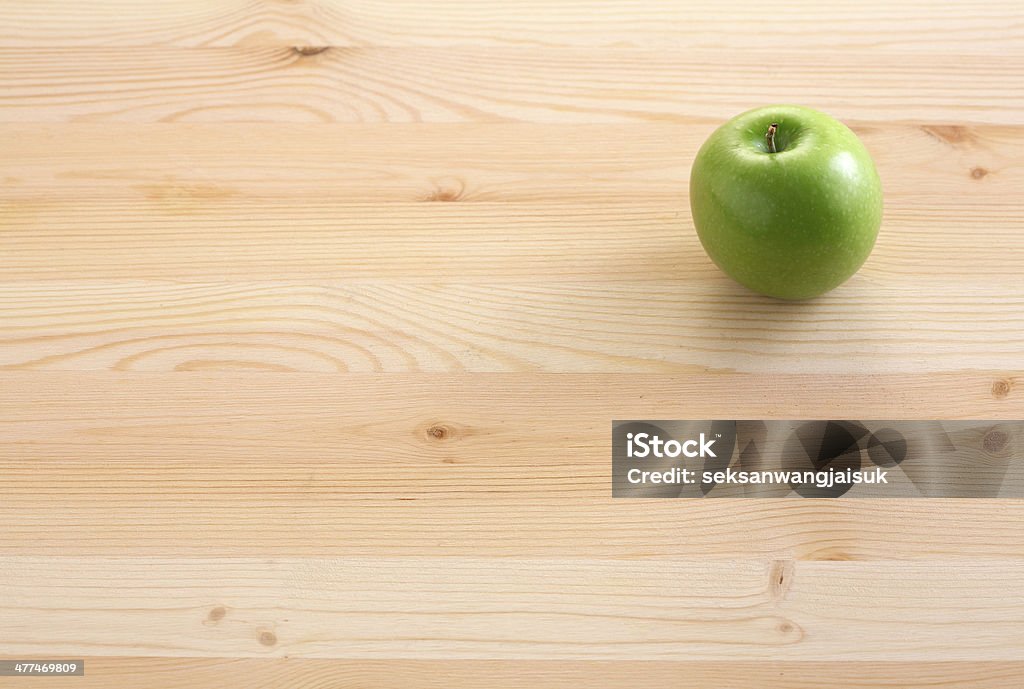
(770, 136)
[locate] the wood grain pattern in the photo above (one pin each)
(513, 609)
(212, 463)
(314, 315)
(992, 27)
(556, 85)
(327, 243)
(374, 327)
(315, 673)
(921, 164)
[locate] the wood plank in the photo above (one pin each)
(671, 327)
(950, 195)
(474, 608)
(991, 27)
(964, 171)
(495, 85)
(185, 238)
(418, 465)
(317, 673)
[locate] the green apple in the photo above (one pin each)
(786, 200)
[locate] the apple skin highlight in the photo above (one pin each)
(794, 223)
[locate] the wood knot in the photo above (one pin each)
(310, 50)
(994, 441)
(217, 614)
(444, 195)
(447, 190)
(978, 172)
(951, 134)
(780, 578)
(790, 632)
(268, 638)
(1001, 388)
(438, 431)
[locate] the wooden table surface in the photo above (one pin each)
(314, 316)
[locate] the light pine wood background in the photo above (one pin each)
(314, 315)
